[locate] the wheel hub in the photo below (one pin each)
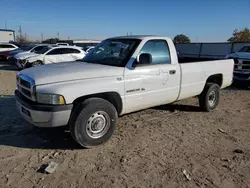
(212, 98)
(98, 124)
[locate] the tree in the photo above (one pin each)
(181, 39)
(21, 39)
(51, 41)
(240, 36)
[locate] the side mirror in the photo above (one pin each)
(144, 59)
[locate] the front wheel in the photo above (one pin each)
(93, 122)
(36, 63)
(210, 97)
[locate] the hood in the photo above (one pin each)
(25, 55)
(68, 71)
(240, 55)
(14, 52)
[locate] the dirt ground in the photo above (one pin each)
(150, 148)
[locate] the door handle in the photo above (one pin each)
(172, 71)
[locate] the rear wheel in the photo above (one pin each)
(210, 96)
(93, 122)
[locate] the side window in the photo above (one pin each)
(159, 51)
(66, 50)
(57, 51)
(72, 51)
(75, 51)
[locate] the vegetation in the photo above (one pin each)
(51, 41)
(181, 39)
(23, 40)
(240, 36)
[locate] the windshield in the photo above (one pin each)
(245, 49)
(27, 48)
(43, 50)
(114, 52)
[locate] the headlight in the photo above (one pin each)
(50, 98)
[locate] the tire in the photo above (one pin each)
(36, 63)
(210, 97)
(88, 118)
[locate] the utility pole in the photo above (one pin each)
(41, 37)
(20, 31)
(58, 35)
(25, 36)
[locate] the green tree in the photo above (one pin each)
(240, 36)
(181, 39)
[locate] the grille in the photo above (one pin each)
(241, 65)
(26, 92)
(25, 86)
(25, 83)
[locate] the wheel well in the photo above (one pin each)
(217, 79)
(113, 97)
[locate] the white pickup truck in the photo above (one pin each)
(121, 75)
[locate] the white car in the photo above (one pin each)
(26, 52)
(7, 47)
(51, 54)
(121, 75)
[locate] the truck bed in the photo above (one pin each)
(195, 74)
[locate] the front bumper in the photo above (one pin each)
(242, 76)
(42, 115)
(18, 64)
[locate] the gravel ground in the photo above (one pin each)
(150, 148)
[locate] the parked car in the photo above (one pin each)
(5, 47)
(21, 49)
(121, 75)
(241, 66)
(31, 49)
(51, 54)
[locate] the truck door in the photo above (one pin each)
(152, 84)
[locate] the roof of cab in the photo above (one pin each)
(141, 37)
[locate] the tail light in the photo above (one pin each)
(6, 54)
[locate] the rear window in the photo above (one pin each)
(6, 46)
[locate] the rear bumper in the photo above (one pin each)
(43, 115)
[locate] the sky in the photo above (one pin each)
(201, 20)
